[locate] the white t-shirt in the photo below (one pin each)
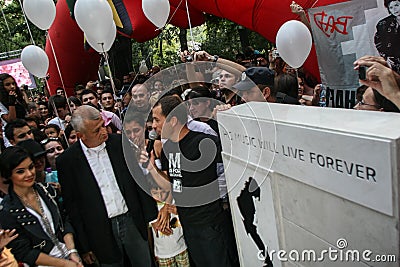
(4, 111)
(172, 245)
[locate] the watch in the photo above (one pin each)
(215, 58)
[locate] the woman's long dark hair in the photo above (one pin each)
(10, 158)
(4, 97)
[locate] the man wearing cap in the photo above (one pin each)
(38, 154)
(257, 84)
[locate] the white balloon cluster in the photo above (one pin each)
(157, 11)
(42, 14)
(95, 18)
(294, 42)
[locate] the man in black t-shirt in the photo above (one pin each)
(189, 160)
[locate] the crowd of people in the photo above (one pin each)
(111, 176)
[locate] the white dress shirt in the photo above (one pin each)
(100, 164)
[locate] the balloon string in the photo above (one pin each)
(8, 28)
(190, 23)
(27, 24)
(173, 14)
(55, 110)
(314, 4)
(105, 54)
(58, 69)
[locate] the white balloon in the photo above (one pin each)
(103, 43)
(93, 16)
(294, 42)
(40, 12)
(35, 60)
(157, 11)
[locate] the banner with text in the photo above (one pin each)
(343, 33)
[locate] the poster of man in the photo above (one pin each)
(346, 31)
(387, 36)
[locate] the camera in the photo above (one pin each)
(362, 72)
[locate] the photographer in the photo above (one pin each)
(380, 77)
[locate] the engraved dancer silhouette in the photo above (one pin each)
(248, 211)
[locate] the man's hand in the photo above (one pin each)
(6, 261)
(296, 8)
(163, 221)
(6, 236)
(221, 107)
(172, 209)
(202, 56)
(75, 258)
(379, 75)
(89, 258)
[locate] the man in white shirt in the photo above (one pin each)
(108, 209)
(59, 104)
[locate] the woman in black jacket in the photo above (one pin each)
(45, 238)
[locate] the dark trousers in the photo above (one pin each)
(135, 249)
(213, 244)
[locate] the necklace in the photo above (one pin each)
(46, 222)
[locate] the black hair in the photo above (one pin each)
(360, 91)
(106, 91)
(385, 103)
(42, 103)
(135, 116)
(205, 94)
(307, 78)
(59, 101)
(38, 135)
(4, 96)
(54, 126)
(387, 2)
(9, 129)
(68, 130)
(79, 87)
(287, 84)
(89, 91)
(174, 91)
(199, 91)
(10, 158)
(75, 100)
(33, 118)
(172, 106)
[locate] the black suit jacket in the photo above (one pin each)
(85, 204)
(32, 238)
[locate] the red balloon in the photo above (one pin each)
(76, 65)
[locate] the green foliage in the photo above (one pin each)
(16, 35)
(161, 51)
(217, 36)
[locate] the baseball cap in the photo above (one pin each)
(32, 147)
(253, 76)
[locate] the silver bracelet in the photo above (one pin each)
(72, 251)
